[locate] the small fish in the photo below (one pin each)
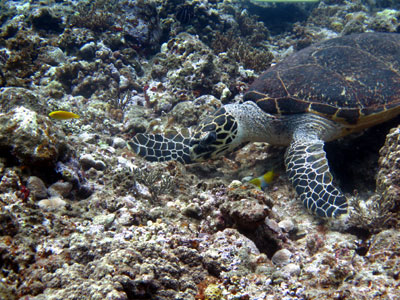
(263, 181)
(62, 115)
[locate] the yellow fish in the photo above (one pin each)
(62, 115)
(263, 181)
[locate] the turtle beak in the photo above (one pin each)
(204, 146)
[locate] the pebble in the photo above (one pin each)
(55, 56)
(125, 217)
(53, 203)
(192, 210)
(36, 187)
(286, 225)
(119, 142)
(60, 189)
(235, 184)
(105, 220)
(273, 225)
(291, 270)
(87, 161)
(100, 165)
(281, 257)
(89, 138)
(88, 51)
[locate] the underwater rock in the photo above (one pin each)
(60, 189)
(141, 25)
(71, 171)
(72, 39)
(286, 225)
(246, 213)
(344, 17)
(7, 292)
(192, 210)
(87, 51)
(213, 292)
(52, 56)
(30, 137)
(291, 270)
(388, 179)
(355, 23)
(188, 113)
(104, 220)
(87, 161)
(90, 138)
(185, 113)
(282, 257)
(191, 64)
(9, 181)
(44, 19)
(36, 187)
(118, 142)
(383, 263)
(228, 251)
(136, 119)
(11, 97)
(53, 203)
(9, 224)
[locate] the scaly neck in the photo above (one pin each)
(258, 126)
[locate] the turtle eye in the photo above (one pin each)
(209, 139)
(204, 145)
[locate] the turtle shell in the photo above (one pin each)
(354, 80)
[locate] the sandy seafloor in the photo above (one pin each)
(83, 217)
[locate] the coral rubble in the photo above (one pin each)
(83, 217)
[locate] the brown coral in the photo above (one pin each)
(240, 50)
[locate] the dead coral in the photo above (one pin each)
(20, 64)
(245, 43)
(156, 183)
(252, 58)
(254, 32)
(373, 215)
(240, 50)
(3, 59)
(96, 16)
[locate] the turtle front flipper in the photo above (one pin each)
(308, 171)
(156, 147)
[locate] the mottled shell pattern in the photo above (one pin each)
(353, 80)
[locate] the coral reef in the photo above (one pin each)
(82, 216)
(30, 137)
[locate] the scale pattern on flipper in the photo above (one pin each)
(308, 171)
(156, 147)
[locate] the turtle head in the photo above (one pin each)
(214, 136)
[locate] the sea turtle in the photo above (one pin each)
(319, 94)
